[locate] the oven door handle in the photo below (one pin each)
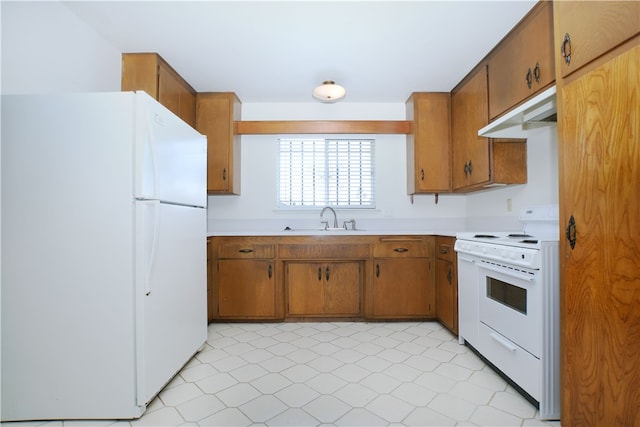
(503, 342)
(514, 274)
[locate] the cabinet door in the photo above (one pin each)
(211, 299)
(305, 288)
(151, 73)
(342, 288)
(215, 114)
(429, 146)
(523, 63)
(318, 289)
(246, 288)
(599, 121)
(401, 288)
(584, 30)
(469, 113)
(444, 293)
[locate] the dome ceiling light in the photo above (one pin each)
(329, 91)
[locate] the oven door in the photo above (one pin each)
(509, 303)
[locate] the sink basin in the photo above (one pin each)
(321, 229)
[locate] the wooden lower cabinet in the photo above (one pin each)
(322, 277)
(401, 288)
(323, 288)
(446, 283)
(246, 288)
(403, 278)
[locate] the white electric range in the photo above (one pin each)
(508, 296)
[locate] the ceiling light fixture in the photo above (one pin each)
(329, 91)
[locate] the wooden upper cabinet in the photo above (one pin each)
(469, 104)
(151, 73)
(429, 144)
(523, 63)
(585, 30)
(479, 162)
(215, 116)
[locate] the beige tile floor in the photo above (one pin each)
(332, 374)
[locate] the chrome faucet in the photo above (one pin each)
(335, 217)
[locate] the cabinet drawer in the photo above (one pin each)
(444, 248)
(401, 249)
(239, 250)
(321, 252)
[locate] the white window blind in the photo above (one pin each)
(326, 172)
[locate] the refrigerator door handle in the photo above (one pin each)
(149, 221)
(146, 165)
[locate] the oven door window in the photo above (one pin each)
(509, 295)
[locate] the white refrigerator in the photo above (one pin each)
(103, 289)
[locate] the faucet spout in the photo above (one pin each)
(335, 217)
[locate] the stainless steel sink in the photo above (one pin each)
(321, 229)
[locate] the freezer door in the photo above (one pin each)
(170, 156)
(171, 291)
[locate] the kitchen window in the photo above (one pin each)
(315, 173)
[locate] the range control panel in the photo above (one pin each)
(524, 257)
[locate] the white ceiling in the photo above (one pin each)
(277, 51)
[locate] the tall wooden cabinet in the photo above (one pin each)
(598, 89)
(215, 116)
(429, 143)
(151, 73)
(479, 162)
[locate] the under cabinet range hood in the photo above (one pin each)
(537, 112)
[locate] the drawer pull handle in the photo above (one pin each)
(245, 251)
(327, 271)
(270, 271)
(449, 276)
(401, 250)
(319, 273)
(444, 251)
(528, 78)
(377, 270)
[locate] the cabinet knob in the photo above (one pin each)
(565, 48)
(422, 174)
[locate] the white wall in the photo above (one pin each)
(481, 210)
(259, 172)
(48, 49)
(487, 210)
